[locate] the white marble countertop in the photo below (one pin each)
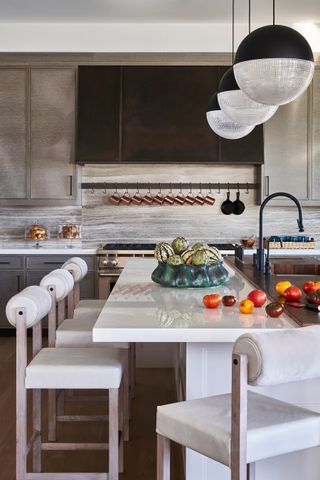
(139, 310)
(286, 251)
(50, 248)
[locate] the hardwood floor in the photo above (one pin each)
(153, 387)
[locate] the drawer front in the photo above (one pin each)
(51, 262)
(7, 262)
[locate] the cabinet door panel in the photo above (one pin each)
(98, 115)
(286, 149)
(11, 282)
(52, 132)
(13, 183)
(316, 136)
(164, 114)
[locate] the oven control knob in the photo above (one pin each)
(114, 262)
(105, 262)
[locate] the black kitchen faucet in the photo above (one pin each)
(260, 261)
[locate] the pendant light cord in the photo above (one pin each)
(232, 46)
(249, 16)
(274, 12)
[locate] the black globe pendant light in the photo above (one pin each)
(223, 125)
(274, 64)
(234, 102)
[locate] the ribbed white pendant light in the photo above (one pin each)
(233, 101)
(222, 125)
(274, 64)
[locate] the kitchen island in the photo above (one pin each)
(140, 311)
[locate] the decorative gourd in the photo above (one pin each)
(213, 254)
(198, 245)
(187, 256)
(200, 257)
(163, 251)
(179, 245)
(175, 260)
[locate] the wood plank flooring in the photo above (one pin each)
(154, 387)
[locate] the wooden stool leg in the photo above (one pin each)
(52, 415)
(21, 400)
(36, 457)
(126, 386)
(163, 458)
(132, 369)
(121, 424)
(251, 474)
(113, 434)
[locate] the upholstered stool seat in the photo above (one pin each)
(274, 427)
(89, 307)
(77, 332)
(79, 368)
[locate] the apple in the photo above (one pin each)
(258, 297)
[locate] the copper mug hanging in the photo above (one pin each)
(169, 198)
(126, 197)
(159, 198)
(190, 197)
(148, 198)
(180, 197)
(209, 198)
(137, 198)
(199, 199)
(115, 197)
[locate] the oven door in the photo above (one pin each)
(107, 281)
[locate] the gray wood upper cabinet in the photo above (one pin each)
(37, 131)
(52, 133)
(13, 133)
(286, 149)
(315, 149)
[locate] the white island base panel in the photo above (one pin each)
(208, 372)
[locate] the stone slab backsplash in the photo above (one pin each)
(103, 221)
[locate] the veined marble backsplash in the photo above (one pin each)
(103, 221)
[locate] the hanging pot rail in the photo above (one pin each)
(168, 185)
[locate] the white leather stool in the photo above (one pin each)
(52, 368)
(244, 427)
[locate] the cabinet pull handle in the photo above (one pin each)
(52, 263)
(267, 185)
(71, 185)
(18, 283)
(4, 263)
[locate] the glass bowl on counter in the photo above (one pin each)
(37, 233)
(69, 232)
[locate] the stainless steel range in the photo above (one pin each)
(112, 259)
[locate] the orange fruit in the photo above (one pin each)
(246, 306)
(282, 286)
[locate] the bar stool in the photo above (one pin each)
(88, 311)
(52, 368)
(244, 427)
(77, 333)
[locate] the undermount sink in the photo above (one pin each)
(295, 266)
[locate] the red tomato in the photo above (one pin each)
(258, 297)
(314, 298)
(309, 287)
(212, 301)
(274, 309)
(228, 300)
(292, 293)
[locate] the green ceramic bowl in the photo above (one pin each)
(188, 276)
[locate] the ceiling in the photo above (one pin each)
(159, 11)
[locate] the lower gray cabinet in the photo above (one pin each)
(11, 282)
(20, 271)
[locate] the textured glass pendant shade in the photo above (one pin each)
(222, 125)
(238, 106)
(274, 65)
